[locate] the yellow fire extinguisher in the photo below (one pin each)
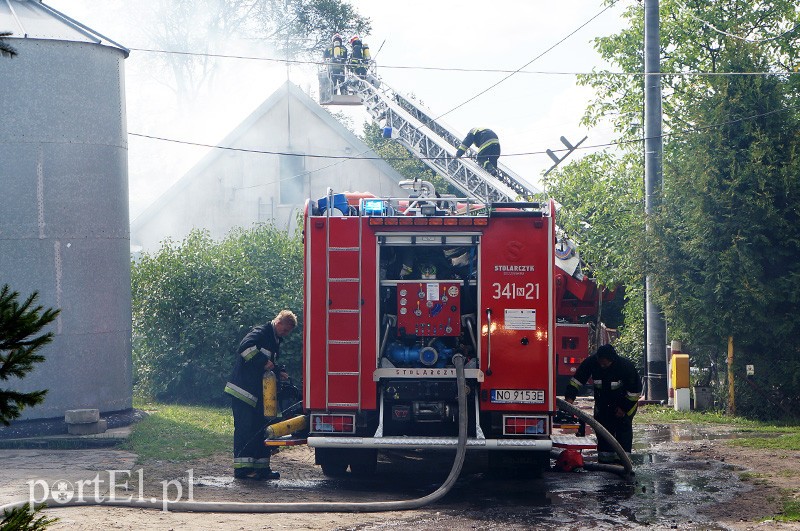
(270, 385)
(287, 426)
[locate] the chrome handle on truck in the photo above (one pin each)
(488, 341)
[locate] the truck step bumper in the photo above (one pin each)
(436, 443)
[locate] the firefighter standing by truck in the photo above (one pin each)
(617, 389)
(488, 146)
(257, 353)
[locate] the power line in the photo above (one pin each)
(484, 91)
(528, 153)
(471, 70)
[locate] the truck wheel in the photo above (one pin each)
(332, 460)
(334, 470)
(518, 464)
(364, 463)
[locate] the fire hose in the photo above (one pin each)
(626, 468)
(301, 507)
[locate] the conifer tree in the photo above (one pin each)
(20, 340)
(5, 48)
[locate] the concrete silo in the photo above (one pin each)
(64, 227)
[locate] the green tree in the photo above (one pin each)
(731, 234)
(194, 301)
(723, 253)
(601, 198)
(20, 341)
(23, 518)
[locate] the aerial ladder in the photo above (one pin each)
(435, 144)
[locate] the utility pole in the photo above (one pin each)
(656, 328)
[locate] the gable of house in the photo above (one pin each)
(288, 150)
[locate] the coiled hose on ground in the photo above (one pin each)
(626, 468)
(301, 507)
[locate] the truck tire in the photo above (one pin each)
(333, 461)
(510, 464)
(364, 463)
(334, 470)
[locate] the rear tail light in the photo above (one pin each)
(570, 361)
(524, 425)
(333, 423)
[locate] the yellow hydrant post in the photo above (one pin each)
(680, 381)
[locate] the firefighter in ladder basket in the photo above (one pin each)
(360, 57)
(488, 146)
(256, 354)
(335, 58)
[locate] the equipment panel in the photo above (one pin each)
(429, 308)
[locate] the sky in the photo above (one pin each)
(529, 111)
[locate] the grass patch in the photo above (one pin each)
(783, 441)
(764, 435)
(791, 512)
(653, 414)
(173, 432)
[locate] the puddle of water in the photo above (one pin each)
(667, 488)
(214, 481)
(681, 433)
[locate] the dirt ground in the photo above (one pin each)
(772, 474)
(766, 477)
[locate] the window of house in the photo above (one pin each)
(293, 177)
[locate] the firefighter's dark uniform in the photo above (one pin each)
(360, 57)
(617, 386)
(245, 386)
(336, 57)
(488, 147)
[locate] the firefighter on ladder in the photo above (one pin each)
(335, 58)
(488, 146)
(617, 389)
(257, 353)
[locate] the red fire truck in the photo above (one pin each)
(393, 289)
(576, 315)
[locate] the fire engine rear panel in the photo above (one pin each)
(390, 299)
(516, 305)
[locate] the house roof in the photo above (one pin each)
(31, 19)
(287, 90)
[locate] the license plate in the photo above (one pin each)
(518, 396)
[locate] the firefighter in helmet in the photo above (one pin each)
(360, 57)
(335, 58)
(256, 354)
(488, 146)
(617, 389)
